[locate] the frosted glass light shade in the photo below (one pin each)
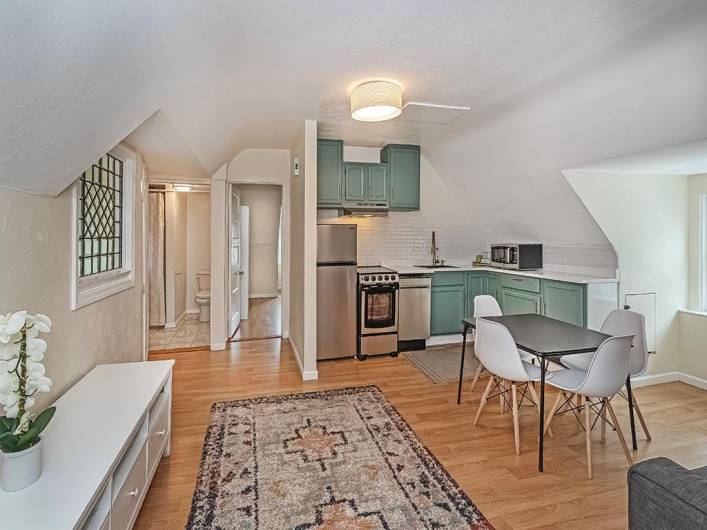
(376, 101)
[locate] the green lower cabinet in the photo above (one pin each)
(514, 302)
(564, 301)
(447, 309)
(493, 286)
(476, 284)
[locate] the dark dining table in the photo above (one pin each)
(549, 340)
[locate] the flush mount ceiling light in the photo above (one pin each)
(376, 101)
(183, 187)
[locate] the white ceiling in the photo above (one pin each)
(79, 76)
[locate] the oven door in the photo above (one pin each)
(379, 309)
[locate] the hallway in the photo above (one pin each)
(264, 320)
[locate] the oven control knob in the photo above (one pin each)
(387, 277)
(394, 277)
(380, 278)
(365, 278)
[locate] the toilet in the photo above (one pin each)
(203, 294)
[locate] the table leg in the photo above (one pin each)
(630, 413)
(543, 369)
(461, 368)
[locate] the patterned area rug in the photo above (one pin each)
(340, 459)
(441, 365)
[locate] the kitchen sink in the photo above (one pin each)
(437, 266)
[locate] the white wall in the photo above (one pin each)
(697, 186)
(265, 201)
(219, 255)
(504, 163)
(303, 251)
(175, 257)
(35, 245)
(198, 243)
(645, 218)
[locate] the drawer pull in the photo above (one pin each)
(133, 493)
(161, 433)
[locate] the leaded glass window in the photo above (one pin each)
(100, 217)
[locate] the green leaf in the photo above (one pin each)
(8, 444)
(36, 427)
(8, 424)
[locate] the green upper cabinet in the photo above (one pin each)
(377, 182)
(404, 167)
(330, 172)
(355, 182)
(365, 183)
(516, 302)
(564, 301)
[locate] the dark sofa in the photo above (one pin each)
(663, 495)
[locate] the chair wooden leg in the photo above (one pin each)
(640, 417)
(580, 403)
(620, 433)
(588, 433)
(536, 402)
(553, 410)
(603, 421)
(516, 427)
(476, 377)
(484, 398)
(502, 396)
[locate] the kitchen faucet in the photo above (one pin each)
(435, 250)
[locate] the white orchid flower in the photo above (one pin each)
(10, 350)
(10, 324)
(36, 349)
(12, 405)
(42, 322)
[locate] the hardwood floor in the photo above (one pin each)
(507, 488)
(264, 319)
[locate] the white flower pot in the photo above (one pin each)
(21, 469)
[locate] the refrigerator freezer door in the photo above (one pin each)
(336, 311)
(336, 244)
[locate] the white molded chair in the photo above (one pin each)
(486, 306)
(623, 322)
(603, 379)
(498, 352)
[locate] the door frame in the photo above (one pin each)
(285, 205)
(245, 260)
(230, 331)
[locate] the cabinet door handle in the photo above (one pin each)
(133, 493)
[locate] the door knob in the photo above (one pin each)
(241, 273)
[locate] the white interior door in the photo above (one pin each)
(245, 260)
(234, 312)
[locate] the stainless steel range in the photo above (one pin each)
(377, 322)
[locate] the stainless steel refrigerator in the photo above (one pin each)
(336, 291)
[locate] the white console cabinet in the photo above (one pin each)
(101, 451)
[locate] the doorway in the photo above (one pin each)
(260, 265)
(178, 246)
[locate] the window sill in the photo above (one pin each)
(84, 296)
(693, 312)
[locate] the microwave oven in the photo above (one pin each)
(518, 257)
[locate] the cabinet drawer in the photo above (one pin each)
(521, 283)
(159, 431)
(448, 278)
(126, 501)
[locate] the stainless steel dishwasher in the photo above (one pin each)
(414, 311)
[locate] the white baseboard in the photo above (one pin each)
(311, 375)
(218, 346)
(274, 294)
(440, 340)
(669, 377)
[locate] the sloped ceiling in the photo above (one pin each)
(78, 77)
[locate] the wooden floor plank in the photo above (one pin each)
(507, 488)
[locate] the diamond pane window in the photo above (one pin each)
(100, 219)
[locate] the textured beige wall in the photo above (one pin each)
(35, 260)
(265, 202)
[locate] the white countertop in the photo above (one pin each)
(460, 267)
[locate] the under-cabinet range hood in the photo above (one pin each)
(365, 209)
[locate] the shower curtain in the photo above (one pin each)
(156, 260)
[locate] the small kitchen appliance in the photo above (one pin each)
(377, 322)
(518, 257)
